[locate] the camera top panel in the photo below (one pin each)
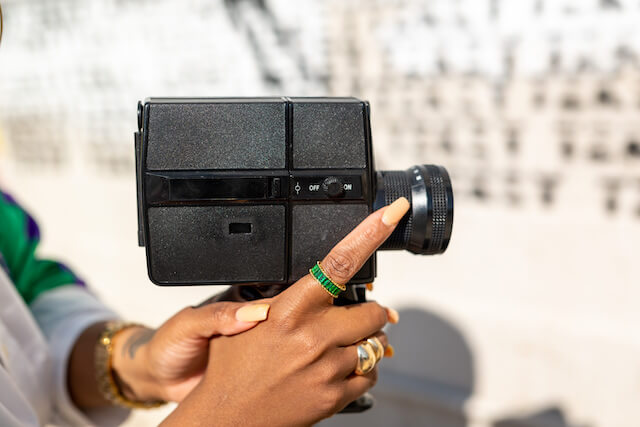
(216, 133)
(329, 133)
(255, 133)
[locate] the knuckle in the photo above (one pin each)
(285, 325)
(330, 401)
(340, 263)
(329, 373)
(378, 315)
(370, 232)
(307, 346)
(221, 314)
(285, 318)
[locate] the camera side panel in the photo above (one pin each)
(317, 228)
(216, 244)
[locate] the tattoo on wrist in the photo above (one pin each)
(137, 340)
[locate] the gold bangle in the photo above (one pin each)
(103, 359)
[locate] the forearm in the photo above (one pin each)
(129, 368)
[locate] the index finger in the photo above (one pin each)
(350, 254)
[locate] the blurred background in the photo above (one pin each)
(529, 319)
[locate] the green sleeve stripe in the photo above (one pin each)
(19, 238)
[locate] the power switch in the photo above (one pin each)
(333, 187)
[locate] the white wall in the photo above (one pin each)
(534, 305)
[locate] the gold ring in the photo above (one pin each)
(366, 358)
(378, 348)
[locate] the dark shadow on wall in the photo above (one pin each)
(428, 381)
(548, 417)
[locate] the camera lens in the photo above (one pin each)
(427, 228)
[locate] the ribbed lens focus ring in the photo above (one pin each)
(427, 229)
(396, 184)
(439, 184)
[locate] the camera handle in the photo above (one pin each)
(354, 294)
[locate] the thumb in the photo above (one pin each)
(222, 318)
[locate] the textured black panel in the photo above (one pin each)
(217, 135)
(188, 243)
(328, 135)
(317, 228)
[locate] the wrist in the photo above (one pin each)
(130, 364)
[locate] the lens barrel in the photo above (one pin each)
(427, 228)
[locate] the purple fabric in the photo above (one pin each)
(33, 235)
(8, 198)
(33, 231)
(78, 281)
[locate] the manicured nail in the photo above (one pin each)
(395, 211)
(252, 312)
(369, 286)
(393, 315)
(389, 351)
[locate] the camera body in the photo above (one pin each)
(256, 190)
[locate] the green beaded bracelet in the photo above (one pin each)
(329, 285)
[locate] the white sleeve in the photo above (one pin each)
(63, 314)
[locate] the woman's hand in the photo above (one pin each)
(167, 363)
(297, 367)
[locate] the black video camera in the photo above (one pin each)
(256, 190)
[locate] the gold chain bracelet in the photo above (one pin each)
(104, 369)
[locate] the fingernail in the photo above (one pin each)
(393, 315)
(389, 351)
(395, 211)
(369, 286)
(252, 312)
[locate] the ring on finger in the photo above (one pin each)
(366, 358)
(378, 348)
(333, 288)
